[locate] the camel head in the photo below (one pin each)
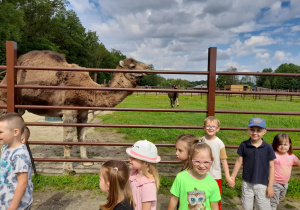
(130, 63)
(175, 86)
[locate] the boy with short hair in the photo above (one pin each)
(15, 169)
(211, 127)
(257, 158)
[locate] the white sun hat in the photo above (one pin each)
(144, 150)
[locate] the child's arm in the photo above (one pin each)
(270, 191)
(298, 162)
(173, 202)
(214, 205)
(146, 205)
(229, 181)
(19, 192)
(237, 166)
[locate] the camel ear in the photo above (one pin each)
(121, 63)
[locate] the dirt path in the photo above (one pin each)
(87, 200)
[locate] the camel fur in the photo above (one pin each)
(174, 96)
(50, 97)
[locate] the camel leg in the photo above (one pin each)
(81, 134)
(177, 100)
(172, 103)
(69, 116)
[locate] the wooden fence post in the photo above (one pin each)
(211, 81)
(11, 75)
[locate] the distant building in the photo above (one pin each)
(200, 87)
(237, 87)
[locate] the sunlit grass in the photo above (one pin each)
(196, 119)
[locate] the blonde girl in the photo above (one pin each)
(183, 145)
(285, 159)
(144, 178)
(194, 187)
(114, 180)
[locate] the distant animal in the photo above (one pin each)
(52, 97)
(173, 96)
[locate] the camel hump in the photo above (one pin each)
(35, 55)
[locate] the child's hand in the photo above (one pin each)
(270, 191)
(230, 181)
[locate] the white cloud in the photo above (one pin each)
(176, 34)
(82, 6)
(279, 55)
(259, 41)
(262, 55)
(295, 28)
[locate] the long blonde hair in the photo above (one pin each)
(116, 173)
(151, 172)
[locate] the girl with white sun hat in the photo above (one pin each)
(144, 178)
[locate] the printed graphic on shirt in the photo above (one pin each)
(4, 166)
(196, 198)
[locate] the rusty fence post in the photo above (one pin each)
(11, 74)
(211, 81)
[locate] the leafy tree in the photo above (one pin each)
(260, 80)
(247, 80)
(11, 24)
(152, 80)
(37, 33)
(291, 83)
(228, 79)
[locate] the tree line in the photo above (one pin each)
(48, 25)
(271, 82)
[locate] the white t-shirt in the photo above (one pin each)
(218, 148)
(14, 161)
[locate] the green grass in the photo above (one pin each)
(196, 119)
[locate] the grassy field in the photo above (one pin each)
(196, 119)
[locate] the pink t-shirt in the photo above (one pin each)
(283, 167)
(143, 190)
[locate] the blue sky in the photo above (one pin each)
(176, 34)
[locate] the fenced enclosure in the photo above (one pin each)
(210, 94)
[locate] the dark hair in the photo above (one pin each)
(279, 139)
(14, 121)
(190, 140)
(26, 133)
(116, 172)
(195, 150)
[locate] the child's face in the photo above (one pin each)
(256, 133)
(202, 162)
(104, 186)
(182, 152)
(135, 164)
(211, 128)
(284, 146)
(6, 134)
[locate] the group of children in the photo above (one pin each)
(266, 170)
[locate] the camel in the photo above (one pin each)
(174, 96)
(50, 97)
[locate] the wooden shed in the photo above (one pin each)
(236, 87)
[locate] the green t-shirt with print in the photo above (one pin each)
(195, 193)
